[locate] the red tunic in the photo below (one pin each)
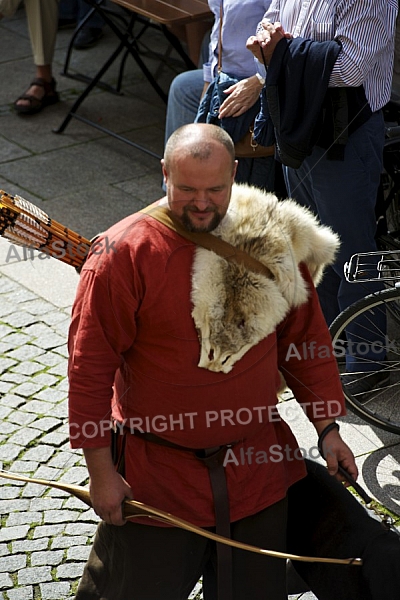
(134, 349)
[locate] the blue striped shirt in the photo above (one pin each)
(365, 29)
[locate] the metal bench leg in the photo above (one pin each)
(89, 88)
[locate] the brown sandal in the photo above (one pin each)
(36, 104)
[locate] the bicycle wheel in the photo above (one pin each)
(358, 322)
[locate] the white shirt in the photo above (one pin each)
(365, 29)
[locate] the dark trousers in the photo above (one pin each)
(324, 519)
(143, 562)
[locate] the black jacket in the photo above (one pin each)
(296, 87)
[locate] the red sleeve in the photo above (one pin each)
(306, 359)
(102, 329)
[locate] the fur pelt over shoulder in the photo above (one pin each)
(235, 308)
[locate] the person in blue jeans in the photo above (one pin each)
(239, 21)
(72, 12)
(341, 189)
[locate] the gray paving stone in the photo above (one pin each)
(4, 412)
(39, 407)
(9, 452)
(76, 475)
(16, 339)
(89, 516)
(55, 318)
(7, 363)
(40, 454)
(45, 472)
(26, 352)
(32, 490)
(50, 557)
(51, 341)
(75, 504)
(4, 549)
(21, 319)
(80, 529)
(22, 418)
(50, 359)
(38, 329)
(6, 307)
(55, 591)
(27, 389)
(24, 518)
(8, 534)
(30, 545)
(12, 505)
(70, 570)
(60, 516)
(22, 593)
(61, 409)
(8, 428)
(6, 347)
(5, 329)
(5, 581)
(48, 531)
(9, 564)
(63, 385)
(46, 423)
(9, 491)
(51, 395)
(24, 436)
(32, 575)
(24, 466)
(27, 367)
(36, 306)
(55, 438)
(60, 369)
(64, 460)
(15, 378)
(68, 541)
(79, 553)
(63, 350)
(7, 285)
(12, 400)
(20, 295)
(5, 387)
(44, 379)
(46, 504)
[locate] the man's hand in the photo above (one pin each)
(241, 96)
(336, 452)
(264, 43)
(107, 488)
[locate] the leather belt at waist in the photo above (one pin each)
(213, 458)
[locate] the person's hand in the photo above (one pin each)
(107, 494)
(264, 43)
(241, 97)
(336, 452)
(107, 488)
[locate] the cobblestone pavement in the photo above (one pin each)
(86, 181)
(45, 534)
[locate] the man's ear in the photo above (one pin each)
(235, 166)
(164, 171)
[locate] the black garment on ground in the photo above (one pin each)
(326, 520)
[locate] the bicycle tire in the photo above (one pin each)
(382, 407)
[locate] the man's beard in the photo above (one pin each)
(185, 218)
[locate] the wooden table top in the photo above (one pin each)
(169, 12)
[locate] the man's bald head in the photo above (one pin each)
(197, 140)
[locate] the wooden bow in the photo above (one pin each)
(133, 509)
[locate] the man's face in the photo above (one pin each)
(199, 190)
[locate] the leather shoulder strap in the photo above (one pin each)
(208, 241)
